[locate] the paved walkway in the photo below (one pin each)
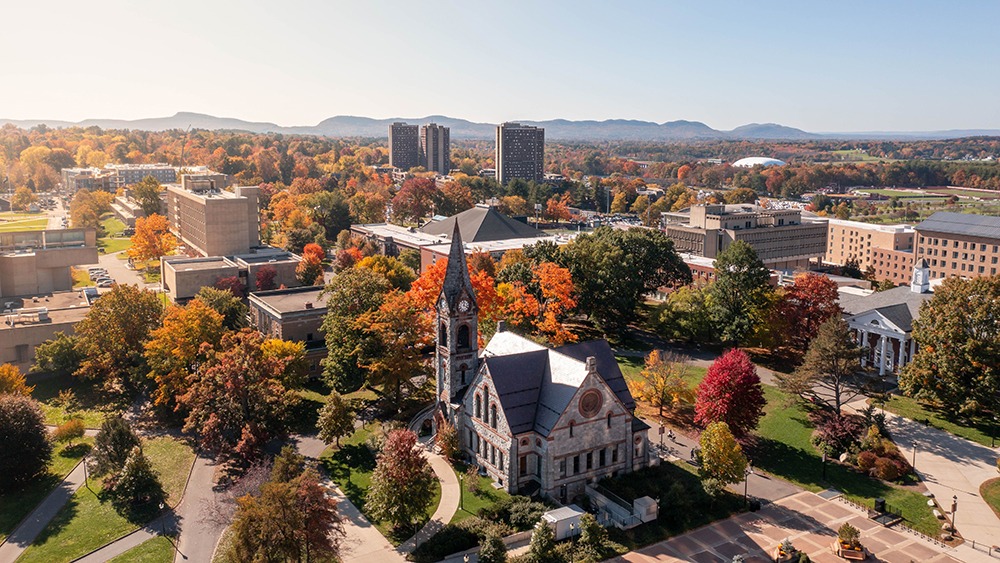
(167, 522)
(950, 466)
(450, 491)
(28, 530)
(199, 534)
(806, 519)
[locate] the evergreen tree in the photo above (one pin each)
(136, 491)
(112, 446)
(24, 443)
(492, 550)
(543, 544)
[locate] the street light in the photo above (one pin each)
(746, 485)
(914, 464)
(824, 464)
(954, 509)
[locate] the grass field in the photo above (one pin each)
(80, 278)
(156, 550)
(990, 491)
(979, 431)
(473, 502)
(14, 506)
(35, 224)
(93, 407)
(784, 449)
(850, 155)
(351, 467)
(112, 239)
(86, 523)
(965, 193)
(901, 194)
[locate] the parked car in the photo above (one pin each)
(105, 283)
(102, 279)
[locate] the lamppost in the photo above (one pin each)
(461, 491)
(954, 509)
(824, 464)
(914, 464)
(746, 485)
(163, 525)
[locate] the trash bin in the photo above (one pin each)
(880, 505)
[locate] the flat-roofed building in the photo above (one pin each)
(34, 262)
(404, 146)
(520, 152)
(30, 321)
(886, 249)
(181, 277)
(128, 174)
(210, 220)
(959, 244)
(74, 179)
(435, 148)
(780, 237)
(293, 314)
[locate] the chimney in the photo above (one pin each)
(501, 326)
(309, 305)
(591, 364)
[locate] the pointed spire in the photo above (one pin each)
(456, 276)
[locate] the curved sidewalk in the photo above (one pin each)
(450, 494)
(29, 528)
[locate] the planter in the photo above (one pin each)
(847, 552)
(782, 557)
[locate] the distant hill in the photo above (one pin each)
(555, 129)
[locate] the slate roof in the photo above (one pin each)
(456, 275)
(899, 305)
(536, 384)
(961, 224)
(482, 224)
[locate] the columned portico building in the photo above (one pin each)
(882, 322)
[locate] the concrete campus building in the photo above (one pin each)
(114, 176)
(551, 420)
(435, 148)
(520, 152)
(293, 314)
(404, 146)
(782, 240)
(181, 276)
(211, 221)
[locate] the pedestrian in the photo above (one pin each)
(670, 434)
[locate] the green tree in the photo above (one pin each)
(57, 355)
(542, 548)
(958, 364)
(492, 549)
(336, 419)
(288, 465)
(22, 199)
(232, 309)
(349, 295)
(402, 485)
(831, 371)
(612, 270)
(147, 194)
(23, 440)
(593, 536)
(398, 274)
(684, 316)
(136, 490)
(112, 445)
(111, 337)
(722, 459)
(740, 287)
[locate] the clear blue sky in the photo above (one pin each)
(821, 66)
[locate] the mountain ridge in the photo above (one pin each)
(555, 129)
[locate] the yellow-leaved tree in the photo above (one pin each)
(661, 383)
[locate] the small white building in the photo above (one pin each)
(564, 521)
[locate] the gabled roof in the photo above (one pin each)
(899, 305)
(482, 224)
(536, 384)
(961, 224)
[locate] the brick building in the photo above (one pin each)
(520, 152)
(293, 314)
(959, 244)
(404, 146)
(886, 249)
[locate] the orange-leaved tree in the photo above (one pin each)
(176, 349)
(152, 238)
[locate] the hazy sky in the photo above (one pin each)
(821, 66)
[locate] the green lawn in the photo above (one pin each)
(80, 278)
(784, 449)
(351, 467)
(14, 506)
(980, 431)
(112, 240)
(965, 193)
(990, 491)
(85, 523)
(156, 550)
(473, 502)
(39, 224)
(94, 408)
(632, 367)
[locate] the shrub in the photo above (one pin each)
(866, 461)
(524, 515)
(836, 433)
(451, 539)
(68, 431)
(849, 535)
(492, 550)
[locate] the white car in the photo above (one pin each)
(105, 283)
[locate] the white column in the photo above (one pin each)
(883, 341)
(864, 344)
(902, 353)
(913, 348)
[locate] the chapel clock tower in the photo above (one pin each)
(457, 355)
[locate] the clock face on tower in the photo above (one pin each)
(463, 305)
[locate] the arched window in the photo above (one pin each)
(479, 406)
(493, 416)
(463, 337)
(443, 335)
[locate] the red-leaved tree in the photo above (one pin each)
(265, 278)
(805, 305)
(731, 392)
